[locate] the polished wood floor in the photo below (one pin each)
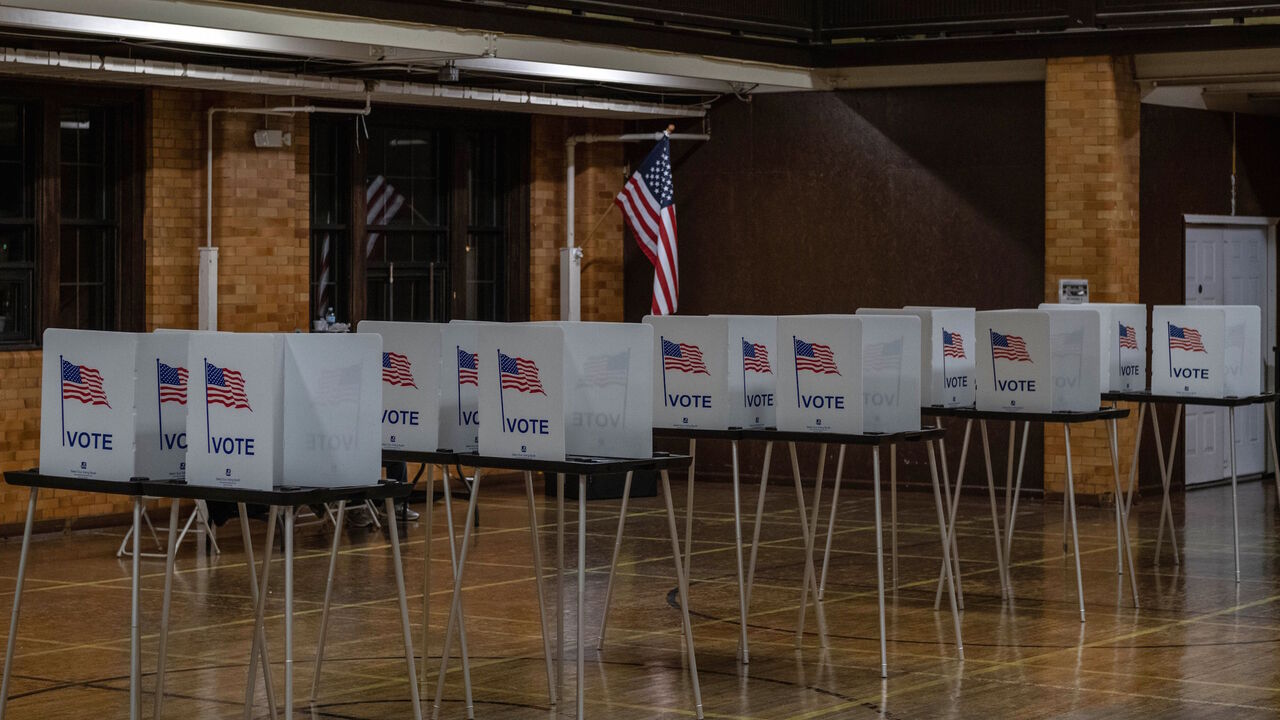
(1200, 647)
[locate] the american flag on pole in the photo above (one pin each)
(606, 370)
(648, 202)
(82, 383)
(683, 357)
(755, 357)
(173, 384)
(1009, 347)
(468, 374)
(1128, 337)
(1185, 338)
(815, 358)
(519, 373)
(397, 370)
(224, 386)
(382, 203)
(952, 344)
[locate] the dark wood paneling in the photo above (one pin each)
(827, 202)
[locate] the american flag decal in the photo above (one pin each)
(683, 357)
(755, 357)
(883, 356)
(82, 383)
(468, 373)
(815, 358)
(224, 386)
(1185, 338)
(952, 344)
(1009, 347)
(397, 370)
(519, 373)
(605, 370)
(173, 384)
(1128, 337)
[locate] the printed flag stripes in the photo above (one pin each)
(1185, 338)
(82, 383)
(1009, 347)
(683, 357)
(519, 373)
(468, 373)
(755, 357)
(397, 370)
(173, 384)
(1128, 337)
(605, 370)
(225, 387)
(883, 356)
(952, 345)
(815, 358)
(648, 203)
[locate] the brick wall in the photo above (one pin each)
(260, 226)
(600, 173)
(1091, 224)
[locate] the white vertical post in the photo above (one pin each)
(208, 289)
(571, 283)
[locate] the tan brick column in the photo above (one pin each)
(1091, 224)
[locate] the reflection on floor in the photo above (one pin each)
(1201, 646)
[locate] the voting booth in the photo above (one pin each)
(414, 369)
(1206, 350)
(821, 374)
(332, 402)
(1123, 343)
(548, 390)
(751, 372)
(890, 373)
(1039, 360)
(162, 380)
(235, 403)
(690, 366)
(946, 353)
(87, 395)
(459, 424)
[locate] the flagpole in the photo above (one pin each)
(662, 341)
(159, 406)
(995, 384)
(62, 400)
(797, 369)
(1168, 345)
(502, 403)
(458, 376)
(744, 372)
(944, 360)
(208, 431)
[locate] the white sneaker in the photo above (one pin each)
(402, 511)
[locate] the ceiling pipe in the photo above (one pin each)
(570, 254)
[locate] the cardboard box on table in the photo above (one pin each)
(332, 403)
(235, 410)
(820, 374)
(947, 364)
(552, 389)
(459, 428)
(1020, 378)
(413, 373)
(88, 404)
(162, 401)
(691, 365)
(1206, 350)
(1123, 353)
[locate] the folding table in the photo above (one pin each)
(1109, 417)
(1147, 399)
(809, 526)
(34, 481)
(584, 468)
(288, 499)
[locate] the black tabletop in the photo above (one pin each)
(577, 464)
(282, 496)
(1148, 397)
(431, 457)
(843, 438)
(679, 433)
(969, 413)
(33, 478)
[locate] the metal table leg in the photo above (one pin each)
(1122, 518)
(455, 605)
(1002, 558)
(875, 487)
(613, 564)
(954, 511)
(1166, 479)
(755, 533)
(688, 509)
(258, 592)
(1269, 414)
(744, 650)
(328, 596)
(426, 573)
(135, 624)
(810, 577)
(893, 514)
(17, 599)
(560, 584)
(579, 645)
(682, 582)
(944, 533)
(1011, 515)
(288, 611)
(536, 545)
(163, 651)
(1075, 535)
(406, 629)
(1235, 510)
(831, 519)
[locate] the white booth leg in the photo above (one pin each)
(406, 629)
(1166, 479)
(1235, 510)
(560, 584)
(893, 515)
(17, 599)
(688, 509)
(755, 533)
(1075, 535)
(580, 646)
(459, 556)
(258, 593)
(1012, 518)
(1122, 518)
(744, 650)
(163, 651)
(613, 564)
(943, 532)
(328, 597)
(831, 521)
(1001, 557)
(875, 489)
(426, 574)
(682, 582)
(810, 577)
(537, 582)
(1269, 414)
(951, 520)
(1133, 462)
(288, 611)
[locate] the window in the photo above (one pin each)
(70, 239)
(437, 221)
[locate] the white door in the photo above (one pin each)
(1226, 265)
